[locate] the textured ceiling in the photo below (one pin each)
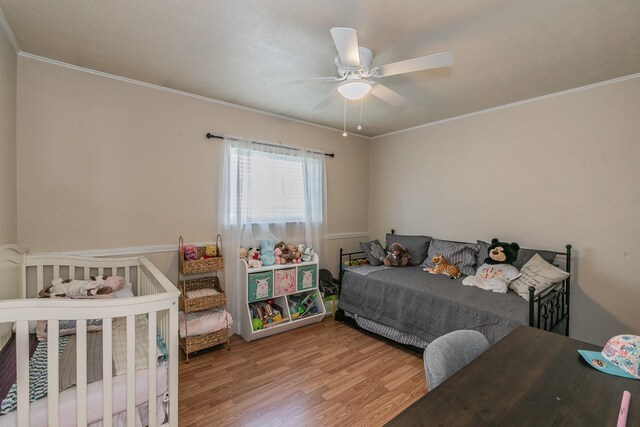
(249, 52)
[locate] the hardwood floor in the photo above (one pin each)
(325, 374)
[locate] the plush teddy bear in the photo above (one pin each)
(244, 254)
(497, 272)
(502, 252)
(282, 253)
(295, 254)
(398, 256)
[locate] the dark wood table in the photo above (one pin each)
(529, 378)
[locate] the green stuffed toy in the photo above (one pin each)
(502, 252)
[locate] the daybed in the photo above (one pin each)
(413, 307)
(138, 341)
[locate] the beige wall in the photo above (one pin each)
(105, 163)
(546, 173)
(8, 209)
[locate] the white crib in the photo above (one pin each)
(23, 275)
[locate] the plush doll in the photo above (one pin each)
(253, 258)
(190, 252)
(442, 266)
(101, 285)
(398, 256)
(502, 252)
(307, 255)
(497, 272)
(115, 283)
(211, 251)
(294, 254)
(243, 253)
(267, 254)
(281, 253)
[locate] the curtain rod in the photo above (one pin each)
(210, 135)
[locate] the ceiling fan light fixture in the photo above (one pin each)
(354, 89)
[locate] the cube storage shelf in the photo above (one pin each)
(288, 285)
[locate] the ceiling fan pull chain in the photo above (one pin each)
(344, 118)
(361, 108)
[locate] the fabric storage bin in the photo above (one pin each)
(284, 281)
(307, 277)
(260, 286)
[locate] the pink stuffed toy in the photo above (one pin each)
(190, 252)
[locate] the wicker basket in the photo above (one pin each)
(189, 305)
(200, 342)
(200, 265)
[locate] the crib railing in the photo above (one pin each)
(156, 298)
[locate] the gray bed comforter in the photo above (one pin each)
(428, 306)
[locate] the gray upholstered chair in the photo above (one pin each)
(449, 353)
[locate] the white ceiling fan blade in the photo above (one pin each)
(315, 80)
(387, 95)
(346, 41)
(437, 60)
(326, 101)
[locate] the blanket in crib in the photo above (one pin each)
(67, 360)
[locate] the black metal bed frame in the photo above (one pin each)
(552, 308)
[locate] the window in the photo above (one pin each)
(270, 187)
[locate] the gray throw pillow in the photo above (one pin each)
(373, 251)
(524, 255)
(417, 246)
(463, 255)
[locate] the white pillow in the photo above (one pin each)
(537, 273)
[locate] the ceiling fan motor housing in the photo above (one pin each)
(364, 70)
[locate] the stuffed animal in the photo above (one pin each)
(307, 255)
(190, 252)
(398, 256)
(502, 252)
(267, 248)
(281, 253)
(211, 251)
(294, 254)
(243, 253)
(442, 266)
(115, 283)
(497, 273)
(253, 258)
(101, 285)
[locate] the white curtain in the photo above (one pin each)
(267, 193)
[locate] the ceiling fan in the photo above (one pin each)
(356, 76)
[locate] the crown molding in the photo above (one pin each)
(179, 92)
(7, 29)
(513, 104)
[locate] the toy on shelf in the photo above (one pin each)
(267, 252)
(299, 306)
(265, 314)
(210, 251)
(307, 255)
(253, 258)
(244, 253)
(190, 252)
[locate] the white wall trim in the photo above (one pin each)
(339, 236)
(513, 104)
(179, 92)
(152, 249)
(7, 29)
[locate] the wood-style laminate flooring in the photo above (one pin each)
(325, 374)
